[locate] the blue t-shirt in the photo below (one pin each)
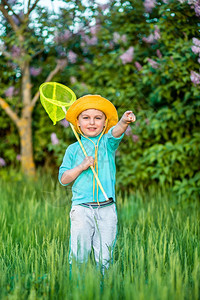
(82, 189)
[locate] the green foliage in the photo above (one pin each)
(163, 146)
(167, 151)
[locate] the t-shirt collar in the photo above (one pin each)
(94, 139)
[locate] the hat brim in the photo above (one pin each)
(92, 102)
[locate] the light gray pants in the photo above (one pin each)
(93, 228)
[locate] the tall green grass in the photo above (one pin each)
(157, 254)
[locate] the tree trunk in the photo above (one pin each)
(25, 132)
(25, 125)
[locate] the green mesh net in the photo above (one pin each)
(55, 98)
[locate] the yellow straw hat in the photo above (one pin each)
(92, 102)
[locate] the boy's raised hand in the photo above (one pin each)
(128, 117)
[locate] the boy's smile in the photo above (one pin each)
(91, 122)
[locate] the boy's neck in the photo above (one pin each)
(91, 137)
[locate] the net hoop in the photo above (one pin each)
(56, 102)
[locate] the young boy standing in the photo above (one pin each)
(93, 218)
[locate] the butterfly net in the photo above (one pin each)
(55, 98)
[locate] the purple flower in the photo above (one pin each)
(16, 51)
(123, 38)
(54, 139)
(10, 92)
(153, 37)
(197, 9)
(62, 53)
(2, 48)
(66, 35)
(18, 157)
(72, 56)
(16, 20)
(35, 71)
(159, 54)
(196, 42)
(138, 65)
(198, 60)
(149, 5)
(157, 33)
(128, 130)
(127, 56)
(93, 41)
(135, 138)
(12, 2)
(150, 39)
(104, 6)
(94, 29)
(147, 121)
(2, 162)
(195, 77)
(195, 49)
(73, 79)
(64, 123)
(117, 38)
(153, 63)
(90, 41)
(137, 124)
(62, 37)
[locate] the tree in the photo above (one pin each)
(37, 46)
(22, 43)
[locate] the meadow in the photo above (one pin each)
(157, 254)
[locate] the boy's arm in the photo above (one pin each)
(70, 175)
(127, 118)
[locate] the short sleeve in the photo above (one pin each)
(113, 142)
(67, 163)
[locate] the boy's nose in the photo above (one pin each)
(91, 121)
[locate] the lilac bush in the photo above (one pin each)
(72, 57)
(35, 71)
(2, 162)
(195, 77)
(10, 92)
(54, 139)
(149, 5)
(127, 56)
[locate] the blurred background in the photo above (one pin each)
(141, 55)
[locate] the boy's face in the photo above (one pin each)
(91, 122)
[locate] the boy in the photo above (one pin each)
(93, 218)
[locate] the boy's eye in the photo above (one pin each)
(85, 118)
